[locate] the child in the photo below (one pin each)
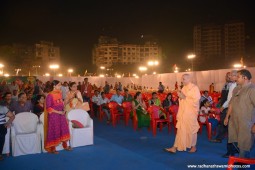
(205, 110)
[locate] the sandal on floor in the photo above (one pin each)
(193, 151)
(68, 148)
(166, 150)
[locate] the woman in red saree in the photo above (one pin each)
(56, 128)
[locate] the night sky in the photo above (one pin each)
(75, 26)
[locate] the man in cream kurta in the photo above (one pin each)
(187, 123)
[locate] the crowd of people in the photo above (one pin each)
(55, 100)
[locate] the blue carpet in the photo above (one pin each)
(123, 148)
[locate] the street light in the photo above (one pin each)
(191, 57)
(102, 67)
(237, 65)
(152, 63)
(176, 69)
(17, 71)
(70, 71)
(142, 68)
(54, 67)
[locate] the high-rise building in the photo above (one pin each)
(213, 42)
(234, 40)
(47, 53)
(30, 58)
(109, 52)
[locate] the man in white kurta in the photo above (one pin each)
(187, 123)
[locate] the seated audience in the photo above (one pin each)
(142, 116)
(118, 98)
(73, 98)
(155, 101)
(22, 105)
(106, 88)
(167, 102)
(39, 105)
(103, 102)
(7, 99)
(206, 96)
(205, 110)
(127, 97)
(96, 98)
(15, 95)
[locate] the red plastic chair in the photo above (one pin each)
(232, 160)
(109, 95)
(115, 115)
(127, 106)
(101, 112)
(208, 126)
(91, 108)
(154, 114)
(135, 120)
(173, 110)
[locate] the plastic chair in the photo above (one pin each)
(233, 159)
(127, 106)
(208, 126)
(115, 115)
(154, 114)
(135, 120)
(81, 136)
(101, 113)
(91, 108)
(173, 110)
(25, 134)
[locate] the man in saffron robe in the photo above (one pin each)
(56, 128)
(187, 123)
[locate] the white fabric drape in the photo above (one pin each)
(25, 134)
(81, 136)
(202, 78)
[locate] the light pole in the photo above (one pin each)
(54, 67)
(17, 71)
(153, 63)
(70, 71)
(191, 57)
(1, 69)
(142, 68)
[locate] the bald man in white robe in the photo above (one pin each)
(187, 123)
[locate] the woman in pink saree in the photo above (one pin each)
(56, 128)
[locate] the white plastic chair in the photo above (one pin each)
(6, 149)
(81, 136)
(25, 134)
(41, 124)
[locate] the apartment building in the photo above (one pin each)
(214, 42)
(109, 52)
